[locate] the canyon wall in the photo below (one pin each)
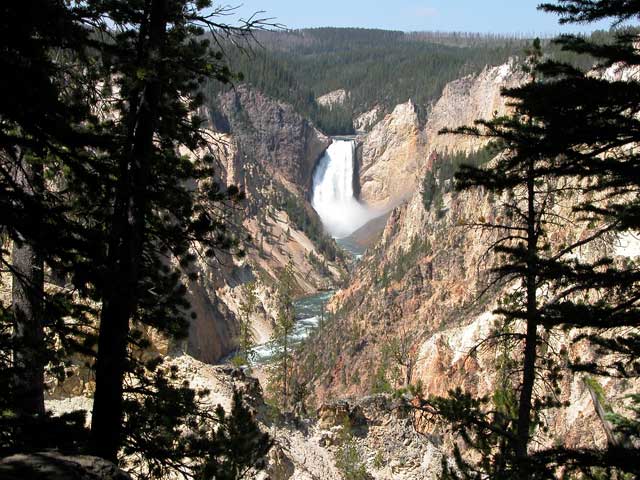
(270, 133)
(396, 150)
(390, 156)
(415, 301)
(474, 97)
(269, 151)
(416, 293)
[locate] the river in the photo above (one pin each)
(309, 311)
(341, 214)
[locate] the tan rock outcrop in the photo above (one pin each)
(335, 98)
(391, 155)
(363, 122)
(394, 152)
(463, 101)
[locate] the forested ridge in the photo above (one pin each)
(377, 67)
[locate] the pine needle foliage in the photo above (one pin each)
(573, 132)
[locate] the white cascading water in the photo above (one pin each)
(333, 197)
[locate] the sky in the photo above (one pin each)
(496, 16)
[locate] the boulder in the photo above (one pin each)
(56, 466)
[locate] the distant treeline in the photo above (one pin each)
(377, 67)
(470, 39)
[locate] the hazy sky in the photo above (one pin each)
(500, 16)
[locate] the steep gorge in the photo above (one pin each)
(268, 151)
(420, 275)
(415, 294)
(416, 288)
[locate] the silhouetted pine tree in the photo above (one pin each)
(576, 131)
(154, 207)
(501, 428)
(241, 444)
(108, 95)
(592, 120)
(43, 108)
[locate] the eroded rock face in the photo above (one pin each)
(335, 98)
(340, 414)
(363, 122)
(268, 150)
(420, 286)
(391, 154)
(398, 147)
(471, 98)
(55, 466)
(272, 133)
(381, 436)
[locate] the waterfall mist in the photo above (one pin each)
(333, 197)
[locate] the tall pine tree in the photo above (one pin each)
(577, 132)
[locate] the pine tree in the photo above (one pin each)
(283, 330)
(28, 309)
(591, 120)
(44, 119)
(502, 433)
(242, 445)
(111, 91)
(246, 337)
(579, 130)
(154, 58)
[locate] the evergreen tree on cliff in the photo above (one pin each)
(126, 206)
(572, 131)
(280, 381)
(592, 121)
(42, 111)
(503, 433)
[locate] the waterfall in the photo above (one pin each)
(333, 198)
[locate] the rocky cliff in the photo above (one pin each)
(413, 312)
(268, 150)
(390, 156)
(471, 98)
(363, 122)
(397, 148)
(271, 134)
(335, 98)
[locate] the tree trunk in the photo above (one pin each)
(531, 340)
(126, 246)
(285, 373)
(27, 299)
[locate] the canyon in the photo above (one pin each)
(416, 285)
(236, 249)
